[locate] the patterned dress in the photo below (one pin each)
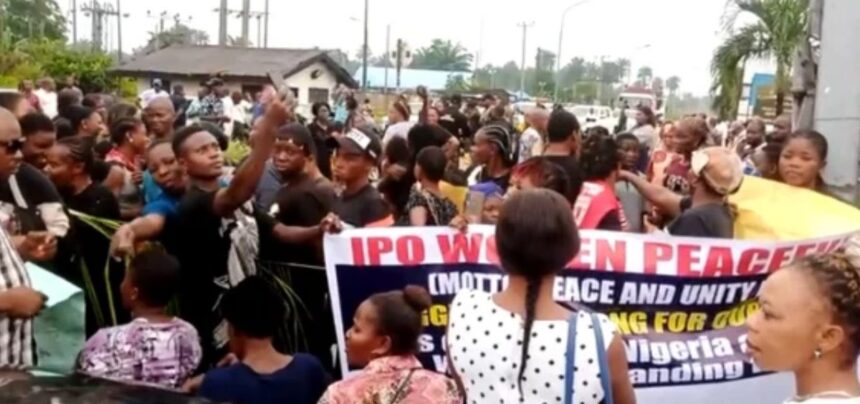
(163, 354)
(393, 380)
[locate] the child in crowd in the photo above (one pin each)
(260, 374)
(427, 206)
(154, 348)
(491, 195)
(384, 340)
(631, 200)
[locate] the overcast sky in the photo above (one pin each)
(682, 34)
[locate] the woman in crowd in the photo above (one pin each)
(493, 155)
(85, 122)
(383, 340)
(427, 206)
(644, 130)
(802, 159)
(256, 372)
(154, 348)
(809, 324)
(510, 347)
(631, 200)
(690, 135)
(597, 206)
(130, 143)
(398, 121)
(397, 178)
(121, 110)
(538, 172)
(321, 129)
(433, 114)
(663, 154)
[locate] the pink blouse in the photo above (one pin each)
(383, 378)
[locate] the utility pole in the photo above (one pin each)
(159, 28)
(119, 18)
(259, 30)
(74, 22)
(100, 13)
(525, 26)
(266, 17)
(387, 53)
(399, 63)
(246, 16)
(222, 23)
(364, 51)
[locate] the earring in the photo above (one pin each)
(818, 353)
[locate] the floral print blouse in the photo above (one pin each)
(393, 380)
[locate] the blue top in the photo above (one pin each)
(302, 381)
(163, 204)
(151, 190)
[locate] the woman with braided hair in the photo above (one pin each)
(809, 324)
(494, 153)
(519, 345)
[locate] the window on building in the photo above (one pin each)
(318, 95)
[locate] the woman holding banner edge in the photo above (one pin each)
(519, 345)
(809, 324)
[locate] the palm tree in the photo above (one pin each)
(643, 77)
(778, 29)
(443, 55)
(672, 84)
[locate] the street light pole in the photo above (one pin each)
(560, 40)
(364, 51)
(525, 26)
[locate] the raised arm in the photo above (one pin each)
(666, 200)
(143, 228)
(244, 183)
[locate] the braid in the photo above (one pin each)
(839, 280)
(80, 151)
(532, 290)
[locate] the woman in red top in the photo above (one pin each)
(597, 207)
(690, 135)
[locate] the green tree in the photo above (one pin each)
(456, 83)
(22, 19)
(442, 55)
(644, 76)
(672, 84)
(778, 28)
(179, 34)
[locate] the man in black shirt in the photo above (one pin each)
(717, 173)
(209, 217)
(180, 105)
(564, 139)
(359, 204)
(39, 136)
(455, 121)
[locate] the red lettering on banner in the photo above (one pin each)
(781, 257)
(654, 253)
(410, 250)
(686, 260)
(357, 251)
(376, 246)
(492, 251)
(583, 255)
(719, 262)
(459, 248)
(804, 250)
(753, 261)
(611, 256)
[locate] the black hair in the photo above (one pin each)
(535, 247)
(119, 111)
(77, 114)
(819, 142)
(218, 133)
(120, 129)
(432, 162)
(397, 151)
(80, 151)
(315, 108)
(10, 99)
(64, 127)
(599, 158)
(597, 131)
(300, 135)
(543, 173)
(91, 100)
(502, 139)
(101, 149)
(649, 114)
(625, 136)
(182, 135)
(425, 135)
(838, 279)
(562, 125)
(254, 308)
(155, 274)
(398, 316)
(36, 122)
(67, 98)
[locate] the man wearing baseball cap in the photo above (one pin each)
(715, 173)
(357, 153)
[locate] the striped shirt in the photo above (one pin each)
(16, 335)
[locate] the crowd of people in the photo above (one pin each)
(200, 308)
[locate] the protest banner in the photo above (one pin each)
(680, 303)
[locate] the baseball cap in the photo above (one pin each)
(720, 168)
(299, 136)
(358, 141)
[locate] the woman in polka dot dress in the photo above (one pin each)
(510, 347)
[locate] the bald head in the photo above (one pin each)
(159, 116)
(10, 144)
(9, 127)
(161, 103)
(781, 129)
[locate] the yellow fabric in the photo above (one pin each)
(455, 194)
(769, 210)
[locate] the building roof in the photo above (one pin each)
(192, 60)
(409, 78)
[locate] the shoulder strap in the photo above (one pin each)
(569, 358)
(605, 378)
(402, 386)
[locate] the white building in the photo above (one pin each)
(311, 73)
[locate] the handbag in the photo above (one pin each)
(570, 356)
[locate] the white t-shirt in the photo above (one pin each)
(399, 129)
(48, 102)
(531, 144)
(147, 96)
(485, 344)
